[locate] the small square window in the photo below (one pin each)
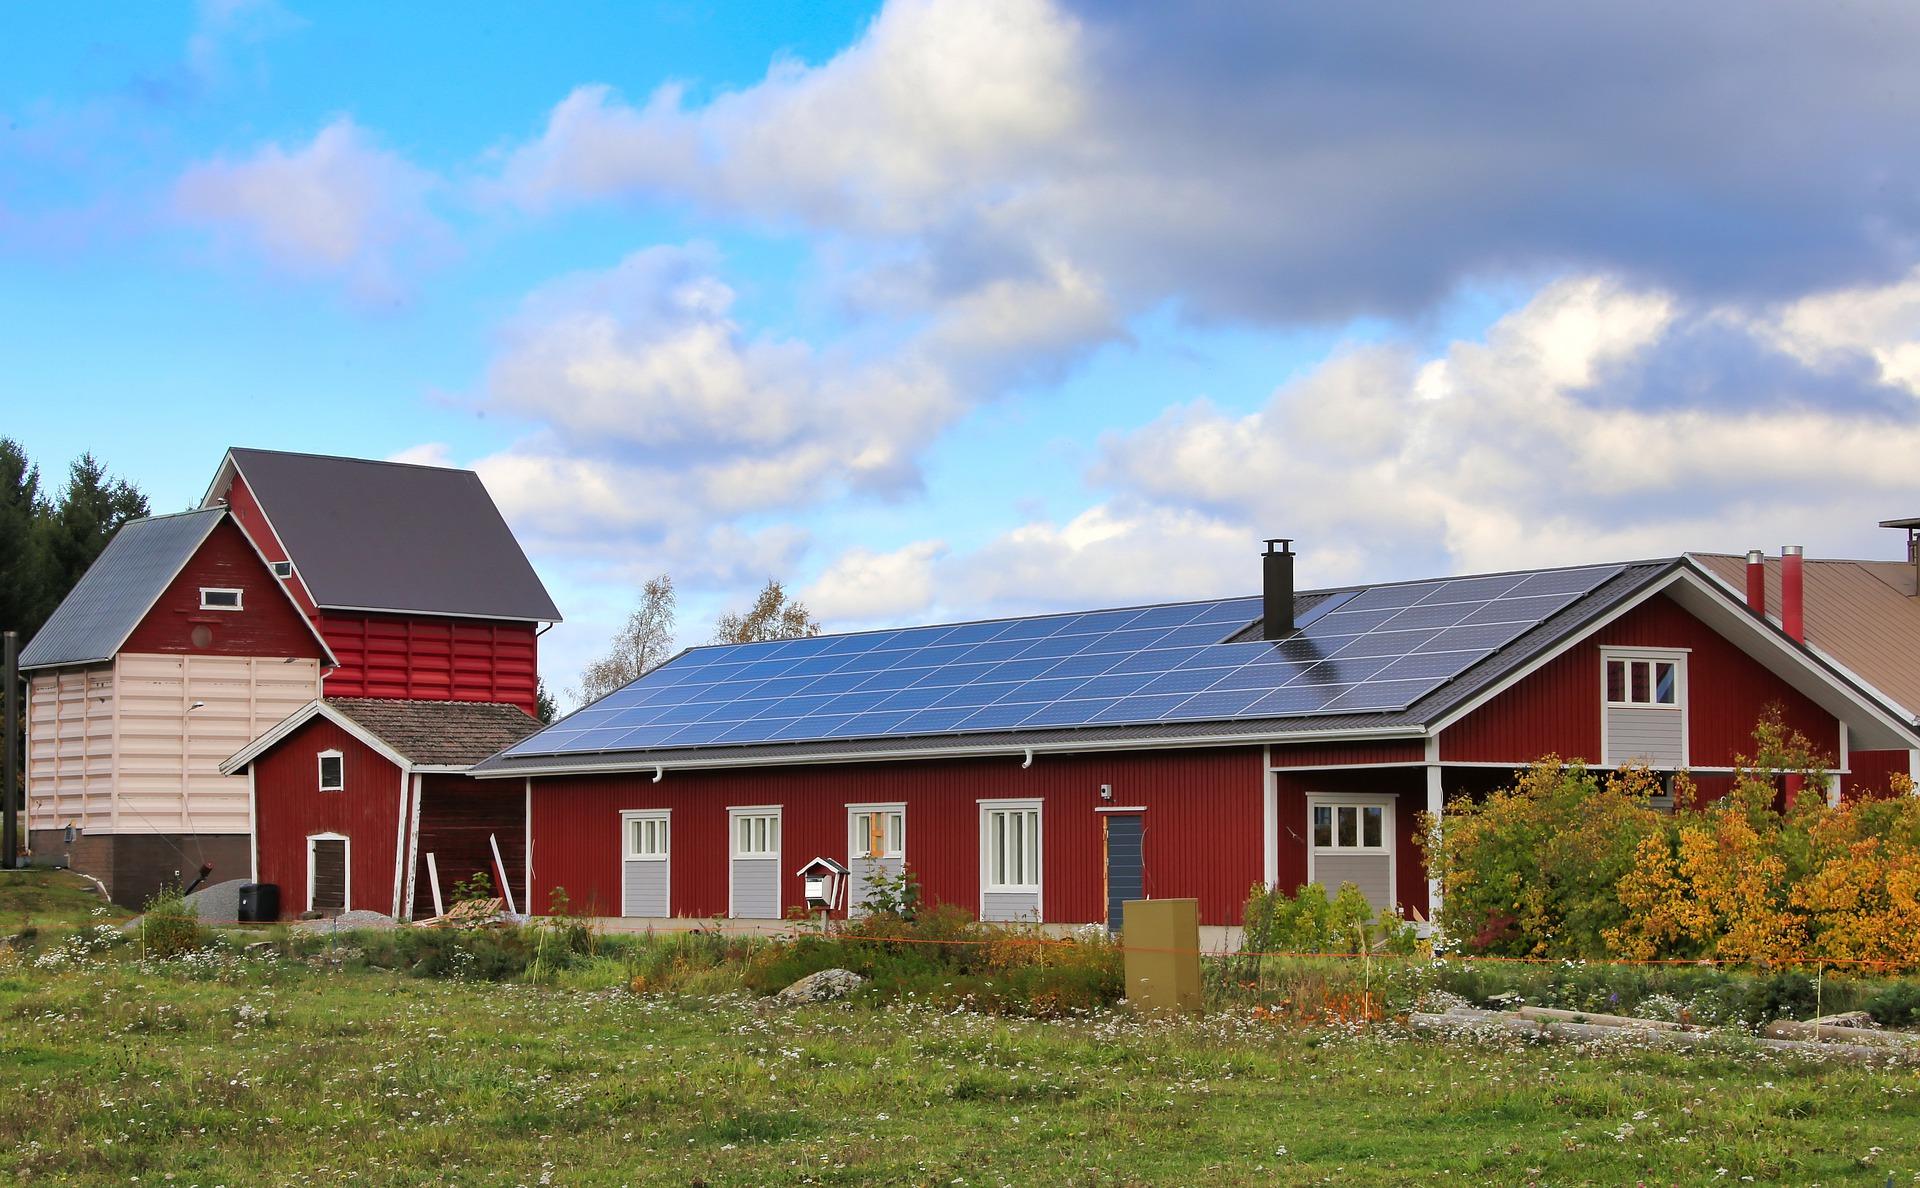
(1632, 681)
(219, 599)
(333, 771)
(283, 569)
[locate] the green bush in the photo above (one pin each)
(1896, 1005)
(170, 926)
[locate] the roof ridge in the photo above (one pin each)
(351, 458)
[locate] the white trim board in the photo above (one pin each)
(1016, 804)
(346, 880)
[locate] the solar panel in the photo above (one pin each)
(1375, 649)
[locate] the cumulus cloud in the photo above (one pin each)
(338, 206)
(864, 586)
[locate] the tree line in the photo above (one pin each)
(48, 540)
(646, 640)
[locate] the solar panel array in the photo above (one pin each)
(1375, 649)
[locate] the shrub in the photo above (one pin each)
(170, 926)
(1896, 1005)
(896, 895)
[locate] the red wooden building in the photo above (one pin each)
(1050, 767)
(364, 804)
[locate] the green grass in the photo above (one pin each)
(51, 899)
(221, 1069)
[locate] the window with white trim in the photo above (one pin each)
(878, 833)
(1356, 827)
(282, 569)
(333, 771)
(647, 838)
(756, 835)
(1644, 682)
(1011, 839)
(219, 598)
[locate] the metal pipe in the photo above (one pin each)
(10, 769)
(1028, 761)
(1793, 593)
(1757, 582)
(659, 773)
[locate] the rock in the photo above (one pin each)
(824, 986)
(219, 903)
(347, 922)
(1846, 1019)
(264, 948)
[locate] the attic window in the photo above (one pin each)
(333, 772)
(216, 598)
(282, 569)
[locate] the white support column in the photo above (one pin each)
(1269, 818)
(1436, 798)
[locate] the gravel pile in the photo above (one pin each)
(348, 921)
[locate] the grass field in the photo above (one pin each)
(51, 899)
(227, 1069)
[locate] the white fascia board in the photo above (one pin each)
(981, 751)
(332, 660)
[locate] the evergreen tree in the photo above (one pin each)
(22, 552)
(544, 707)
(76, 530)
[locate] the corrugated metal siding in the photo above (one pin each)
(431, 659)
(169, 754)
(1557, 709)
(266, 625)
(290, 808)
(1870, 771)
(1408, 750)
(69, 771)
(457, 816)
(1407, 786)
(1202, 837)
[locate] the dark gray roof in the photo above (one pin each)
(1571, 621)
(119, 588)
(390, 536)
(440, 733)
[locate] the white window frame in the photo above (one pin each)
(346, 859)
(1389, 838)
(281, 569)
(1649, 656)
(320, 771)
(734, 818)
(890, 853)
(633, 817)
(239, 598)
(988, 809)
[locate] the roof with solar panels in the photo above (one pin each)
(1388, 658)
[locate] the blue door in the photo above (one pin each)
(1126, 872)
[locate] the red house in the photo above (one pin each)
(364, 804)
(1050, 767)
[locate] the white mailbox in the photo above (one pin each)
(821, 881)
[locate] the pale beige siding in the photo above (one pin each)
(70, 748)
(170, 753)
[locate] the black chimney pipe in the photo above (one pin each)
(1276, 571)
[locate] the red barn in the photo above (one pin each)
(1048, 768)
(362, 804)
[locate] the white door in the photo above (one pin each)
(754, 863)
(876, 844)
(646, 864)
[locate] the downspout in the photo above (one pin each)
(1028, 761)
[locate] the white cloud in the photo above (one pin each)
(1883, 323)
(864, 586)
(337, 206)
(427, 453)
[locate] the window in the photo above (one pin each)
(756, 835)
(647, 838)
(333, 771)
(214, 598)
(1012, 842)
(282, 569)
(1349, 826)
(1648, 682)
(878, 833)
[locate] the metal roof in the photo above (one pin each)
(392, 536)
(1629, 583)
(119, 588)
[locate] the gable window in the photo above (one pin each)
(1011, 838)
(1349, 826)
(219, 598)
(756, 835)
(333, 771)
(1648, 682)
(878, 833)
(282, 569)
(647, 838)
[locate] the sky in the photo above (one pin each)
(940, 309)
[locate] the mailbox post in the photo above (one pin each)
(822, 880)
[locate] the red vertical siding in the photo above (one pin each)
(246, 509)
(1407, 786)
(1202, 838)
(1557, 709)
(458, 815)
(288, 808)
(1399, 750)
(1870, 771)
(431, 659)
(266, 625)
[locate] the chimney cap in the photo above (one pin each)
(1285, 543)
(1791, 550)
(1755, 557)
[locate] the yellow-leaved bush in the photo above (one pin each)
(1568, 863)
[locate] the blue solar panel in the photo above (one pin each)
(1377, 648)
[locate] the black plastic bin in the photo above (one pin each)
(259, 903)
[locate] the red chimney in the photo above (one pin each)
(1793, 593)
(1757, 582)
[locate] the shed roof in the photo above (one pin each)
(119, 588)
(393, 536)
(440, 733)
(1862, 613)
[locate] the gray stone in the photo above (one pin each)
(348, 922)
(823, 986)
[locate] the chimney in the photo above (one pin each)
(1913, 546)
(1276, 572)
(1757, 582)
(1793, 604)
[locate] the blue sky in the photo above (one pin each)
(951, 307)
